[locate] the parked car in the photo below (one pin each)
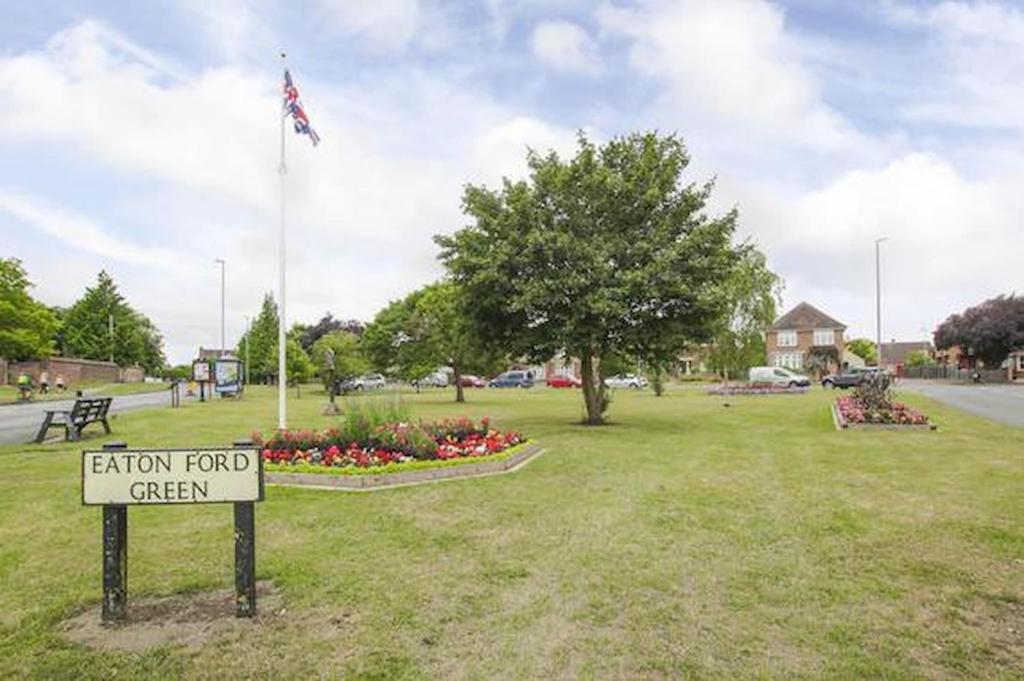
(471, 381)
(626, 381)
(436, 379)
(369, 382)
(848, 378)
(778, 376)
(563, 382)
(512, 379)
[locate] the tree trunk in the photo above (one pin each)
(593, 390)
(457, 374)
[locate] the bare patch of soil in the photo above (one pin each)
(190, 620)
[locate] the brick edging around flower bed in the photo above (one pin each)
(366, 483)
(842, 424)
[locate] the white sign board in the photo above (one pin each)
(171, 476)
(201, 371)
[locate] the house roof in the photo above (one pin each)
(897, 353)
(806, 316)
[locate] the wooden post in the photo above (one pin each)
(115, 557)
(245, 554)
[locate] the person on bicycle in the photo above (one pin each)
(25, 386)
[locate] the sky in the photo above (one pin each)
(143, 138)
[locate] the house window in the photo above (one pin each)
(824, 337)
(789, 360)
(786, 339)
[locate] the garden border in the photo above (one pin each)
(369, 483)
(842, 424)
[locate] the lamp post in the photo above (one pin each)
(248, 333)
(878, 296)
(220, 261)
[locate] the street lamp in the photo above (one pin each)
(248, 334)
(878, 296)
(220, 262)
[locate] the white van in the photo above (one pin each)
(778, 376)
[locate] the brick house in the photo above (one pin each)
(794, 333)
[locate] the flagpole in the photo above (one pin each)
(282, 376)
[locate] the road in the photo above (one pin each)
(20, 422)
(999, 402)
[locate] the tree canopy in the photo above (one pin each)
(133, 339)
(752, 294)
(338, 354)
(863, 348)
(604, 253)
(309, 334)
(27, 327)
(429, 328)
(988, 331)
(262, 338)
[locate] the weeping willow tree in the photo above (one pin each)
(753, 292)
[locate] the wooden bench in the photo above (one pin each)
(85, 411)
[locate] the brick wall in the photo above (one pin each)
(3, 371)
(73, 370)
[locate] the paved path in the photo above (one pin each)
(999, 402)
(20, 422)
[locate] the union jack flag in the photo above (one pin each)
(293, 108)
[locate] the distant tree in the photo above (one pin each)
(988, 331)
(326, 325)
(604, 253)
(27, 327)
(181, 372)
(262, 337)
(863, 348)
(297, 364)
(919, 358)
(133, 339)
(431, 327)
(752, 293)
(348, 357)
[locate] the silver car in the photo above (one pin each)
(369, 382)
(626, 381)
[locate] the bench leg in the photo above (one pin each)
(43, 428)
(71, 433)
(106, 426)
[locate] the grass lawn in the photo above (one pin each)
(686, 540)
(9, 393)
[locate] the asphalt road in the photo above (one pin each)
(20, 422)
(999, 402)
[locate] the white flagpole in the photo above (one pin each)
(282, 376)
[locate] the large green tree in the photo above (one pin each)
(606, 253)
(102, 325)
(27, 327)
(429, 328)
(752, 292)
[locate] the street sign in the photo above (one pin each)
(117, 477)
(171, 476)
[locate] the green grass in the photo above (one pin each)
(9, 393)
(686, 540)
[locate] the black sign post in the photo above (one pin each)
(210, 475)
(115, 556)
(245, 553)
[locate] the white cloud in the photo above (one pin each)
(730, 63)
(943, 251)
(565, 46)
(76, 230)
(362, 207)
(383, 24)
(976, 79)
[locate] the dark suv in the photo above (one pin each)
(848, 378)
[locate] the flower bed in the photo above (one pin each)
(756, 389)
(850, 412)
(388, 447)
